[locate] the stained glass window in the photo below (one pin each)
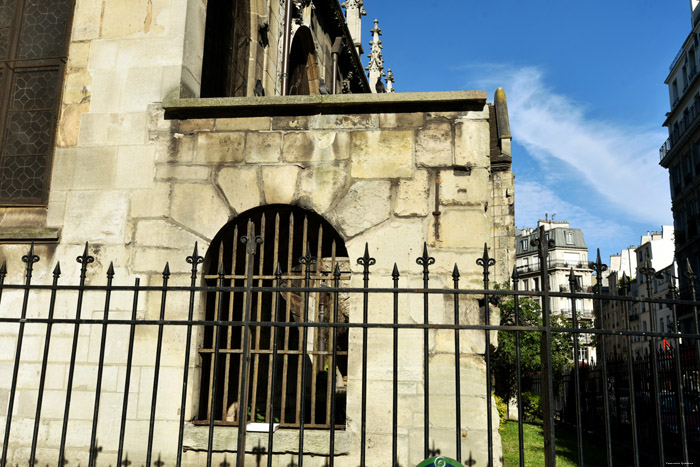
(33, 50)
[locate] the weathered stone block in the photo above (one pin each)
(69, 123)
(465, 188)
(220, 147)
(316, 146)
(412, 195)
(463, 228)
(290, 123)
(365, 205)
(93, 129)
(320, 186)
(106, 89)
(206, 216)
(472, 145)
(161, 233)
(127, 128)
(240, 185)
(85, 218)
(152, 202)
(243, 124)
(382, 154)
(182, 172)
(94, 168)
(143, 87)
(280, 183)
(402, 121)
(263, 147)
(434, 144)
(135, 166)
(349, 121)
(76, 88)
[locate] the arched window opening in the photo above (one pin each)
(288, 234)
(303, 70)
(226, 49)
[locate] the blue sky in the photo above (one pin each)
(586, 96)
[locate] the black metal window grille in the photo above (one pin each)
(299, 379)
(640, 411)
(33, 50)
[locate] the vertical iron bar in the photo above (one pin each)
(29, 259)
(127, 378)
(577, 381)
(543, 245)
(485, 262)
(100, 366)
(44, 362)
(648, 272)
(334, 365)
(426, 261)
(679, 385)
(194, 260)
(306, 261)
(630, 371)
(599, 268)
(458, 377)
(395, 368)
(251, 244)
(275, 319)
(156, 370)
(84, 260)
(365, 261)
(216, 335)
(518, 371)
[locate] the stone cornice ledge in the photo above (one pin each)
(28, 235)
(324, 104)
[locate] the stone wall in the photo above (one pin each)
(143, 188)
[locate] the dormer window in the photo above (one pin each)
(569, 238)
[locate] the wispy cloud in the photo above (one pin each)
(618, 162)
(533, 199)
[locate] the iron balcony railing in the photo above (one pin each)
(553, 264)
(677, 132)
(54, 419)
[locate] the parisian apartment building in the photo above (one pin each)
(680, 153)
(568, 251)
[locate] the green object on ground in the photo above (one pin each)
(439, 461)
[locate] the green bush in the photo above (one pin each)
(532, 407)
(502, 410)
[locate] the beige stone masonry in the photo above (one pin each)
(263, 147)
(241, 187)
(220, 147)
(411, 195)
(316, 146)
(434, 144)
(280, 183)
(382, 154)
(366, 204)
(472, 142)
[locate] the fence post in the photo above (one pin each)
(543, 245)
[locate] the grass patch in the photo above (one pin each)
(533, 440)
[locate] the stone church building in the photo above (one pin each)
(146, 126)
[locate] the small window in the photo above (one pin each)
(537, 284)
(524, 245)
(569, 238)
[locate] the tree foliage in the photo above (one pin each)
(503, 363)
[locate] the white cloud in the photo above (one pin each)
(534, 199)
(618, 162)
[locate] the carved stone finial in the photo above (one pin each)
(376, 60)
(390, 81)
(354, 12)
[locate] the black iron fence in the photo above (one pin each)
(347, 359)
